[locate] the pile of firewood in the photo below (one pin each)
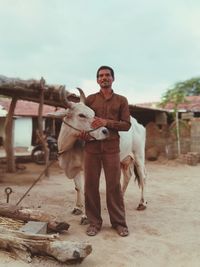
(12, 218)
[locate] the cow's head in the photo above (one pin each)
(76, 118)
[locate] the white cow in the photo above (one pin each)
(78, 117)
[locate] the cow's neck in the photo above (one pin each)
(67, 139)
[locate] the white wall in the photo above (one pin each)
(2, 123)
(22, 132)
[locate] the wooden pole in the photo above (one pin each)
(178, 134)
(9, 128)
(40, 126)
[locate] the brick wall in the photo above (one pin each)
(195, 135)
(164, 138)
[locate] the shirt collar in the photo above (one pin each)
(108, 97)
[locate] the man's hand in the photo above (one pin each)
(83, 136)
(99, 122)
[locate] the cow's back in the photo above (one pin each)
(133, 141)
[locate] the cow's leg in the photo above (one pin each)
(79, 195)
(126, 179)
(127, 171)
(141, 172)
(80, 207)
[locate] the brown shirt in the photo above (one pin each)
(116, 111)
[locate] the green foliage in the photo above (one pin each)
(189, 87)
(180, 90)
(177, 93)
(173, 96)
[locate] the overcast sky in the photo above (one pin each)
(151, 44)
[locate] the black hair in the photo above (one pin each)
(106, 67)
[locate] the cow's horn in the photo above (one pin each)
(82, 95)
(63, 96)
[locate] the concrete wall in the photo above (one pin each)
(22, 132)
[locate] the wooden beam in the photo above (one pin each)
(30, 90)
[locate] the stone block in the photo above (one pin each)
(34, 227)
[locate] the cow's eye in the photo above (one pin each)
(81, 115)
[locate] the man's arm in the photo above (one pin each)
(123, 124)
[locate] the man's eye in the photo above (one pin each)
(81, 115)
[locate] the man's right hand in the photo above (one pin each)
(84, 136)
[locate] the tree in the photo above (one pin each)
(177, 95)
(187, 88)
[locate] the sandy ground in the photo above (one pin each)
(167, 233)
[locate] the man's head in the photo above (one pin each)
(104, 68)
(105, 77)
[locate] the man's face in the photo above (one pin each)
(105, 78)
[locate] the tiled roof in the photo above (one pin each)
(192, 104)
(25, 108)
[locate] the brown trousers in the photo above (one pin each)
(114, 198)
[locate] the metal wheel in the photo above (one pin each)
(38, 156)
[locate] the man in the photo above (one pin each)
(111, 111)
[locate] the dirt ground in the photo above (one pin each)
(165, 234)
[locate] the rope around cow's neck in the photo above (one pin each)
(89, 131)
(71, 126)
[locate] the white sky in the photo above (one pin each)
(151, 44)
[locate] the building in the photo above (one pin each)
(26, 122)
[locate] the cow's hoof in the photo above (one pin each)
(84, 220)
(77, 211)
(141, 207)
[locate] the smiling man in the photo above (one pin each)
(112, 111)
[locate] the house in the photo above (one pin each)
(150, 112)
(161, 133)
(26, 121)
(189, 109)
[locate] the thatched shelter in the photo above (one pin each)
(31, 90)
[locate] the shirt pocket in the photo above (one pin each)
(113, 112)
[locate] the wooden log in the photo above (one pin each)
(19, 213)
(44, 245)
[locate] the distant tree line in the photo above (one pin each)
(177, 93)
